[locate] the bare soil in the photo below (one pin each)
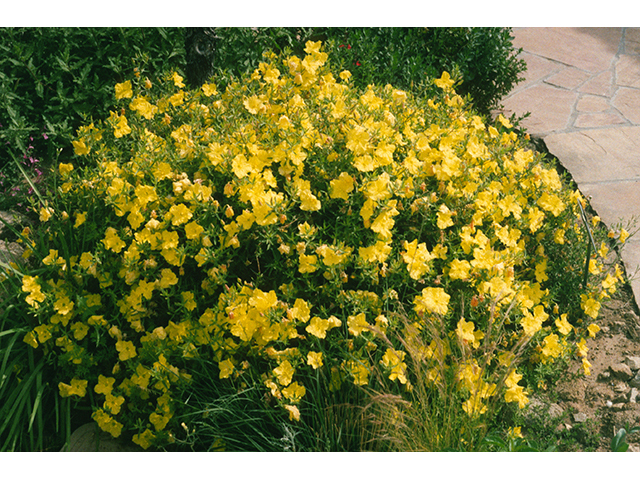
(602, 399)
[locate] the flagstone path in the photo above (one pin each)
(582, 88)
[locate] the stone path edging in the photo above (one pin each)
(582, 88)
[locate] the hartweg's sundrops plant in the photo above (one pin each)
(292, 228)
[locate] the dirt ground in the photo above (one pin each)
(603, 399)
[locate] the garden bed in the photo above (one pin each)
(294, 263)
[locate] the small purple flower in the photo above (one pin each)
(46, 137)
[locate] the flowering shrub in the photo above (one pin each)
(287, 226)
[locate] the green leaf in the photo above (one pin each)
(618, 443)
(63, 64)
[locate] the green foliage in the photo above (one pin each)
(408, 58)
(24, 388)
(494, 442)
(542, 431)
(619, 440)
(54, 79)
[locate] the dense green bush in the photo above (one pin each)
(54, 79)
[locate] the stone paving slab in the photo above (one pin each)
(598, 155)
(582, 89)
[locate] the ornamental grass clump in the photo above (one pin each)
(296, 236)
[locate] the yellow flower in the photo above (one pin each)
(180, 214)
(359, 372)
(459, 269)
(444, 82)
(609, 283)
(309, 202)
(177, 80)
(474, 406)
(167, 278)
(107, 423)
(308, 263)
(531, 323)
(78, 387)
(393, 360)
(466, 334)
(63, 305)
(177, 99)
(564, 327)
(104, 385)
(44, 333)
(383, 224)
(112, 241)
(357, 140)
(144, 439)
(318, 327)
(331, 257)
(399, 96)
(80, 148)
(505, 123)
(515, 432)
(146, 194)
(30, 339)
(65, 169)
(80, 330)
(294, 392)
(126, 350)
(434, 300)
(379, 188)
(294, 413)
(590, 306)
(80, 219)
(284, 373)
(623, 235)
(341, 187)
(193, 230)
(444, 217)
(113, 403)
(582, 348)
(312, 47)
(253, 104)
(120, 125)
(123, 90)
(314, 359)
(593, 329)
(143, 107)
(45, 214)
(357, 324)
(209, 89)
(189, 301)
(375, 253)
(53, 259)
(551, 203)
(263, 301)
(586, 366)
(417, 258)
(516, 394)
(551, 347)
